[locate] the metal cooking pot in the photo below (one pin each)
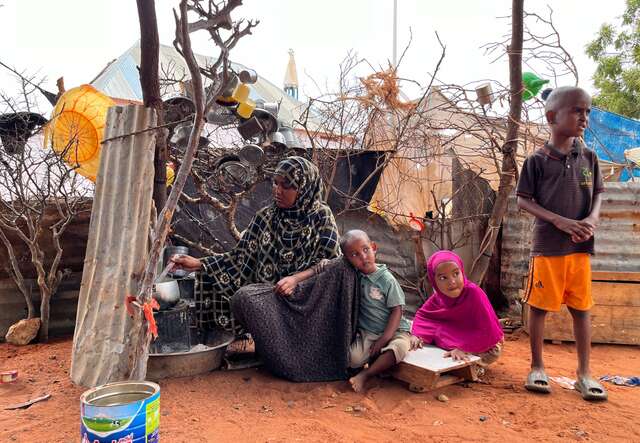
(167, 293)
(278, 140)
(291, 140)
(173, 250)
(181, 135)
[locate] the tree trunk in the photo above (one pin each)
(510, 147)
(15, 272)
(150, 83)
(43, 334)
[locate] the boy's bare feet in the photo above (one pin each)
(357, 381)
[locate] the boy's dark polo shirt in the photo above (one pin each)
(564, 185)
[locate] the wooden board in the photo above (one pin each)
(615, 318)
(432, 358)
(427, 369)
(615, 276)
(616, 294)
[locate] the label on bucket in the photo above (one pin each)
(136, 422)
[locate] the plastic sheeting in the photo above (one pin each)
(610, 135)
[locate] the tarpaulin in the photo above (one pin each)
(610, 135)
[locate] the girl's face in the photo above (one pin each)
(449, 279)
(284, 193)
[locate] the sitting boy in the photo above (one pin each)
(383, 337)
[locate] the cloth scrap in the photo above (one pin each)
(564, 382)
(621, 381)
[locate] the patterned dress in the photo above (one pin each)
(276, 244)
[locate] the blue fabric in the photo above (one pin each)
(610, 135)
(621, 381)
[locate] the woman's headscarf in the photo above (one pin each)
(467, 322)
(305, 177)
(278, 242)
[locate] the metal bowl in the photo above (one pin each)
(190, 363)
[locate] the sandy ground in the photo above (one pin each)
(251, 405)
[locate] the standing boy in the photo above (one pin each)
(383, 337)
(561, 186)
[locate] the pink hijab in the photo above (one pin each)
(467, 322)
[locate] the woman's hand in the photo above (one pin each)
(286, 286)
(415, 343)
(185, 262)
(457, 354)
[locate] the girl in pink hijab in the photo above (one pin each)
(458, 316)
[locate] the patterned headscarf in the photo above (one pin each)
(278, 242)
(305, 177)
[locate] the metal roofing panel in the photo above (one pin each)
(116, 249)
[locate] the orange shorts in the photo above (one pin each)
(557, 280)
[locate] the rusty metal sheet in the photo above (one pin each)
(63, 305)
(617, 244)
(116, 248)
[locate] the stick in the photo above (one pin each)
(28, 403)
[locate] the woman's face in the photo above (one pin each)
(284, 193)
(449, 279)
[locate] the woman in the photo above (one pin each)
(283, 242)
(458, 316)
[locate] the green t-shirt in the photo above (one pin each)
(380, 292)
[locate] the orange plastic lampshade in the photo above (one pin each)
(76, 128)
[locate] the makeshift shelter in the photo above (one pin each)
(419, 176)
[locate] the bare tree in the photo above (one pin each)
(150, 83)
(39, 197)
(215, 18)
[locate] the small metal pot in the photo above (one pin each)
(167, 293)
(278, 140)
(267, 120)
(181, 135)
(291, 140)
(248, 76)
(173, 250)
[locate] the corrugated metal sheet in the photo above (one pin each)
(73, 242)
(116, 249)
(617, 237)
(64, 304)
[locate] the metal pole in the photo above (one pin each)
(395, 33)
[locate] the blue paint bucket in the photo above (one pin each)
(124, 412)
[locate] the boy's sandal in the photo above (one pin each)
(590, 389)
(537, 381)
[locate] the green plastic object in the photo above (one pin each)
(532, 85)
